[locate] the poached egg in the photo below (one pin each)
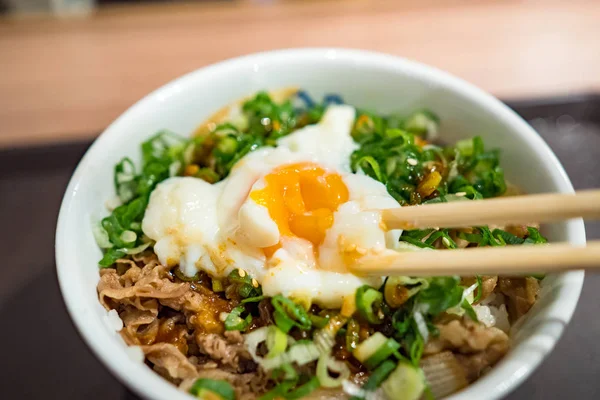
(292, 217)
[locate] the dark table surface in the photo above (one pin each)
(44, 357)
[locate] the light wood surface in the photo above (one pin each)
(509, 260)
(500, 211)
(67, 79)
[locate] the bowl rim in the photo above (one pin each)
(156, 387)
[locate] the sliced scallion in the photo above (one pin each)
(406, 379)
(276, 341)
(389, 347)
(368, 301)
(206, 388)
(327, 363)
(234, 321)
(217, 285)
(369, 347)
(469, 310)
(284, 322)
(304, 390)
(279, 391)
(352, 335)
(318, 321)
(128, 236)
(255, 299)
(101, 236)
(377, 377)
(288, 311)
(299, 353)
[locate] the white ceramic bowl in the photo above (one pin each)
(376, 81)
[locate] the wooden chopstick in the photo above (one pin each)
(509, 260)
(498, 211)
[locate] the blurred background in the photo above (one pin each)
(70, 67)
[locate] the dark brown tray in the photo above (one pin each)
(44, 357)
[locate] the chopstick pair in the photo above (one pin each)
(508, 260)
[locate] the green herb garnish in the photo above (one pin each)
(235, 322)
(209, 388)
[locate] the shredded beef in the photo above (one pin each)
(464, 336)
(476, 346)
(167, 356)
(178, 325)
(149, 282)
(228, 349)
(521, 292)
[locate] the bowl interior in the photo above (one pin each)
(368, 80)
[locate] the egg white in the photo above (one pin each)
(218, 228)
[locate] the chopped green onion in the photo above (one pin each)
(368, 301)
(377, 377)
(388, 348)
(123, 225)
(253, 299)
(227, 145)
(368, 352)
(276, 341)
(406, 379)
(110, 257)
(207, 174)
(204, 388)
(441, 294)
(416, 349)
(245, 284)
(303, 300)
(327, 363)
(128, 236)
(137, 249)
(370, 167)
(299, 353)
(352, 335)
(423, 122)
(401, 321)
(318, 321)
(124, 179)
(234, 321)
(101, 236)
(304, 390)
(534, 236)
(407, 137)
(469, 310)
(217, 285)
(253, 339)
(282, 321)
(290, 311)
(285, 372)
(279, 391)
(415, 242)
(506, 237)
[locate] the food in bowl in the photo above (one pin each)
(226, 255)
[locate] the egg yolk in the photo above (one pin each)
(301, 199)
